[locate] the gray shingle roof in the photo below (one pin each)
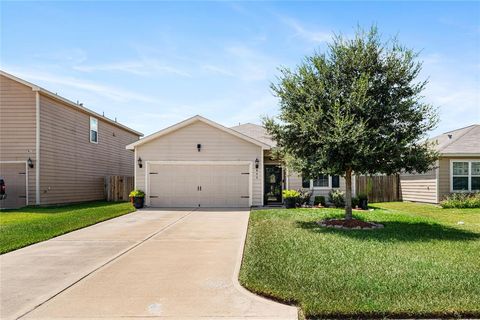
(462, 141)
(256, 132)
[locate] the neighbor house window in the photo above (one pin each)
(93, 130)
(465, 175)
(323, 181)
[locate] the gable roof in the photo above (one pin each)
(189, 121)
(68, 102)
(256, 132)
(463, 141)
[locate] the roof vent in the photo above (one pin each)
(449, 136)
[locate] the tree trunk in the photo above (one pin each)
(348, 194)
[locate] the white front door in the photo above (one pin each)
(199, 185)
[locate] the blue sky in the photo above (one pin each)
(152, 64)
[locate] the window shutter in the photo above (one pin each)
(305, 183)
(335, 181)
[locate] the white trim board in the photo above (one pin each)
(37, 148)
(189, 121)
(199, 162)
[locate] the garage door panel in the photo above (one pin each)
(225, 186)
(199, 185)
(173, 186)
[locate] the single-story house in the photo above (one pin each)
(53, 150)
(199, 162)
(457, 170)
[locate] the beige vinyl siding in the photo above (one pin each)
(295, 183)
(72, 168)
(17, 126)
(419, 187)
(444, 174)
(217, 145)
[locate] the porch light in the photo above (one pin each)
(30, 163)
(199, 147)
(257, 162)
(139, 161)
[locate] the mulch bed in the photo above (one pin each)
(349, 224)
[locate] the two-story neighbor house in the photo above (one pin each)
(53, 150)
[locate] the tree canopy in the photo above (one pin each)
(355, 108)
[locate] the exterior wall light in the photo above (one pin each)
(139, 161)
(199, 147)
(30, 163)
(257, 162)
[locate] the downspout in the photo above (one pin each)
(37, 146)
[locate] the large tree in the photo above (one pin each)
(357, 108)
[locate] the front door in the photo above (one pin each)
(273, 184)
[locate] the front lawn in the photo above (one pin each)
(424, 263)
(22, 227)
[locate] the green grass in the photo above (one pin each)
(422, 264)
(22, 227)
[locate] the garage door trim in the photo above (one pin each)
(26, 177)
(199, 162)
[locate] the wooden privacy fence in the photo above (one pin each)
(117, 188)
(379, 188)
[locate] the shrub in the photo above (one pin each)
(304, 197)
(461, 200)
(319, 200)
(362, 196)
(355, 202)
(137, 194)
(287, 194)
(336, 197)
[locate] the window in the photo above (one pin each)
(321, 182)
(475, 184)
(465, 175)
(93, 130)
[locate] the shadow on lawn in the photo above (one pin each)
(62, 207)
(398, 231)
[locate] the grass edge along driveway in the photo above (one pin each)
(29, 225)
(424, 263)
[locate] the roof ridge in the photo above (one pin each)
(456, 139)
(242, 124)
(472, 125)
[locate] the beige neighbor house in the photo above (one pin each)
(55, 151)
(198, 162)
(457, 170)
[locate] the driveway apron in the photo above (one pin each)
(185, 267)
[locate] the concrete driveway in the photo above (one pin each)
(178, 264)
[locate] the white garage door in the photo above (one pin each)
(199, 185)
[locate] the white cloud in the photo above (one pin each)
(300, 31)
(217, 70)
(137, 67)
(116, 94)
(249, 64)
(453, 91)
